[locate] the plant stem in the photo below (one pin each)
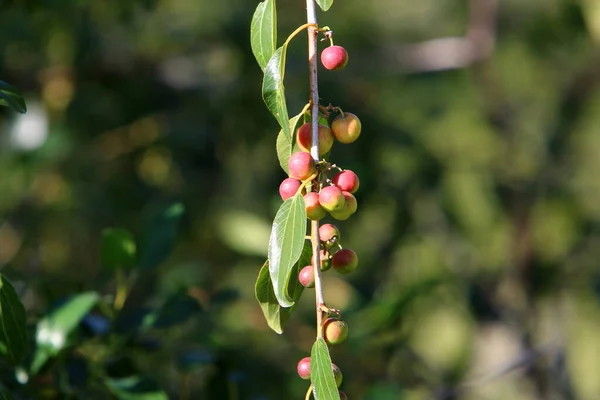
(311, 17)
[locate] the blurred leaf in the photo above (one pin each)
(263, 32)
(13, 329)
(383, 392)
(285, 245)
(321, 373)
(285, 143)
(5, 395)
(324, 4)
(244, 232)
(53, 330)
(118, 249)
(273, 91)
(10, 97)
(295, 288)
(160, 236)
(135, 388)
(177, 309)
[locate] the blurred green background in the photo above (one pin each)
(478, 229)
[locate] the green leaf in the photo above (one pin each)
(321, 373)
(275, 315)
(10, 97)
(273, 91)
(263, 32)
(160, 236)
(54, 329)
(285, 245)
(135, 388)
(324, 4)
(118, 249)
(178, 308)
(285, 143)
(13, 329)
(5, 395)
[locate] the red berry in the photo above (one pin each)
(331, 198)
(303, 368)
(346, 128)
(307, 276)
(349, 208)
(304, 139)
(347, 181)
(336, 331)
(344, 261)
(337, 374)
(288, 188)
(327, 232)
(334, 57)
(301, 166)
(343, 395)
(314, 211)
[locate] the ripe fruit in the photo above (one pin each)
(288, 188)
(344, 261)
(304, 139)
(346, 181)
(303, 368)
(307, 276)
(336, 331)
(349, 208)
(346, 127)
(327, 232)
(331, 198)
(301, 166)
(337, 374)
(334, 58)
(314, 211)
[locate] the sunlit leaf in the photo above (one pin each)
(53, 330)
(285, 245)
(135, 388)
(285, 143)
(273, 91)
(263, 32)
(321, 373)
(324, 4)
(118, 249)
(10, 97)
(160, 236)
(13, 330)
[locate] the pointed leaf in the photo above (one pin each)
(118, 249)
(275, 315)
(263, 32)
(13, 329)
(324, 4)
(273, 91)
(285, 143)
(285, 245)
(10, 97)
(53, 330)
(321, 373)
(160, 236)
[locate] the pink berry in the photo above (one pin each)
(307, 276)
(347, 181)
(301, 166)
(334, 58)
(303, 368)
(288, 188)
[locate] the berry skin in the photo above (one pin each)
(349, 208)
(303, 368)
(347, 181)
(307, 276)
(301, 166)
(336, 331)
(343, 396)
(344, 261)
(346, 128)
(327, 232)
(288, 188)
(314, 211)
(334, 58)
(304, 139)
(331, 198)
(337, 374)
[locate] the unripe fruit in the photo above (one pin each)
(331, 198)
(337, 374)
(334, 58)
(344, 261)
(304, 139)
(343, 395)
(347, 181)
(325, 260)
(327, 232)
(336, 331)
(301, 166)
(314, 211)
(288, 188)
(349, 208)
(303, 368)
(307, 276)
(346, 128)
